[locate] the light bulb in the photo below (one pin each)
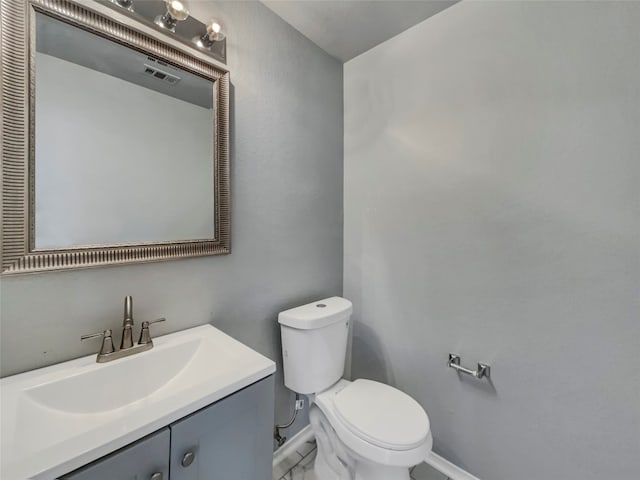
(215, 30)
(176, 12)
(214, 33)
(177, 9)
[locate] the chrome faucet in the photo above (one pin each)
(127, 347)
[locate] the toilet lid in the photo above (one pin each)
(382, 415)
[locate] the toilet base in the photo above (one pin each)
(334, 461)
(362, 471)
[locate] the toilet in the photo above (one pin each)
(364, 430)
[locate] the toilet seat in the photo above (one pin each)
(365, 440)
(382, 415)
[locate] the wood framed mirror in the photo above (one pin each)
(115, 142)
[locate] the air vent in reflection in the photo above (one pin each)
(160, 62)
(160, 75)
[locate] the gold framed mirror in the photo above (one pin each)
(115, 142)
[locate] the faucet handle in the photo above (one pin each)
(107, 341)
(157, 320)
(145, 336)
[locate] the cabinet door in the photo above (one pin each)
(229, 440)
(147, 459)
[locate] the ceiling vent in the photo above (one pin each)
(160, 74)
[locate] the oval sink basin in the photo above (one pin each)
(113, 385)
(62, 417)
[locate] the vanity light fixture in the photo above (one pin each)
(128, 4)
(215, 33)
(176, 12)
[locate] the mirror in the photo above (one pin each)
(124, 144)
(126, 156)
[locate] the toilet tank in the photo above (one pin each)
(314, 344)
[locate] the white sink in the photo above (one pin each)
(59, 418)
(111, 386)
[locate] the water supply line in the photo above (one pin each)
(276, 431)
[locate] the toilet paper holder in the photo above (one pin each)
(483, 370)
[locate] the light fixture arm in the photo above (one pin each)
(126, 4)
(167, 21)
(209, 37)
(205, 40)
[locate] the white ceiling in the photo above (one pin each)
(347, 28)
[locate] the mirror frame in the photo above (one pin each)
(17, 64)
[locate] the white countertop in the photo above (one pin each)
(49, 428)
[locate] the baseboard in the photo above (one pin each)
(447, 468)
(443, 465)
(292, 444)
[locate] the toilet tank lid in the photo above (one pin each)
(316, 314)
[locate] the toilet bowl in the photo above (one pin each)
(382, 430)
(365, 430)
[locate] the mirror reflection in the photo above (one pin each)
(124, 144)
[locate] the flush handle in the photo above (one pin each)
(156, 476)
(188, 459)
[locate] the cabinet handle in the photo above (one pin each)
(188, 459)
(156, 476)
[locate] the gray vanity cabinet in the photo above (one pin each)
(229, 440)
(144, 460)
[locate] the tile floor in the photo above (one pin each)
(299, 465)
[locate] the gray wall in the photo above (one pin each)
(287, 218)
(492, 209)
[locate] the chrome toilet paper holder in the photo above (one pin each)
(483, 370)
